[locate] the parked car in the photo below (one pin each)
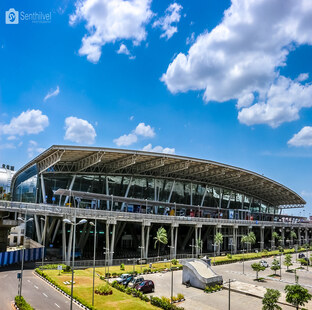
(135, 281)
(264, 263)
(301, 255)
(123, 277)
(127, 280)
(147, 286)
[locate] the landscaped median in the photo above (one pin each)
(107, 297)
(21, 304)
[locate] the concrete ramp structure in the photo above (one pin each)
(198, 273)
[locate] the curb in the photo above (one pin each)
(13, 305)
(61, 291)
(253, 295)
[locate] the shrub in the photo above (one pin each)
(67, 269)
(174, 261)
(104, 290)
(180, 296)
(22, 304)
(122, 266)
(229, 256)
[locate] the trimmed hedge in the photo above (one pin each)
(21, 303)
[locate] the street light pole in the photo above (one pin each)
(141, 248)
(172, 247)
(94, 250)
(74, 224)
(23, 251)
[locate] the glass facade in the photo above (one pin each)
(25, 186)
(208, 201)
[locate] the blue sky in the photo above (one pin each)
(219, 80)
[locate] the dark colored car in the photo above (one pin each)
(127, 281)
(135, 281)
(147, 286)
(301, 255)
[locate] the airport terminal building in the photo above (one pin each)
(133, 193)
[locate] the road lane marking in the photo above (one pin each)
(28, 281)
(36, 286)
(44, 294)
(57, 305)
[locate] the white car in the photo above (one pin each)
(123, 277)
(264, 263)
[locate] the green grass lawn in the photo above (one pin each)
(83, 289)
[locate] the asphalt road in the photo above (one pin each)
(37, 292)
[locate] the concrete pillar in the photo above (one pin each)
(234, 244)
(299, 236)
(64, 242)
(106, 241)
(56, 230)
(196, 241)
(43, 189)
(262, 238)
(291, 237)
(306, 236)
(112, 243)
(38, 234)
(283, 237)
(147, 240)
(142, 239)
(176, 241)
(272, 239)
(70, 242)
(172, 241)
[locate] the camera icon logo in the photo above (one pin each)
(11, 17)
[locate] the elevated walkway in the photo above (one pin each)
(198, 273)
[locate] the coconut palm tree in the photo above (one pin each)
(218, 240)
(249, 239)
(293, 236)
(161, 237)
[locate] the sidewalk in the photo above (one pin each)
(257, 291)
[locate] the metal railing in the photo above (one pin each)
(67, 212)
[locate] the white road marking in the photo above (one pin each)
(57, 305)
(36, 286)
(44, 294)
(28, 281)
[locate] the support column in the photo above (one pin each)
(283, 237)
(272, 239)
(176, 240)
(112, 243)
(70, 188)
(291, 237)
(147, 240)
(142, 250)
(106, 241)
(262, 238)
(69, 247)
(43, 189)
(299, 237)
(37, 228)
(56, 230)
(234, 245)
(64, 242)
(306, 236)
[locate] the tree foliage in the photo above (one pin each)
(257, 267)
(275, 265)
(270, 300)
(287, 261)
(161, 237)
(297, 295)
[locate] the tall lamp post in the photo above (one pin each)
(23, 251)
(94, 250)
(171, 247)
(74, 224)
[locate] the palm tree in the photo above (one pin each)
(275, 236)
(293, 236)
(249, 239)
(218, 240)
(199, 245)
(161, 237)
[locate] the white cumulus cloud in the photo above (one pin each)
(302, 138)
(79, 130)
(240, 58)
(168, 22)
(28, 122)
(108, 21)
(141, 129)
(52, 93)
(158, 149)
(144, 130)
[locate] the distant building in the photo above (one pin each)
(6, 174)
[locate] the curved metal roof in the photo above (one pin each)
(97, 160)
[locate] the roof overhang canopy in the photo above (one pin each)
(95, 160)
